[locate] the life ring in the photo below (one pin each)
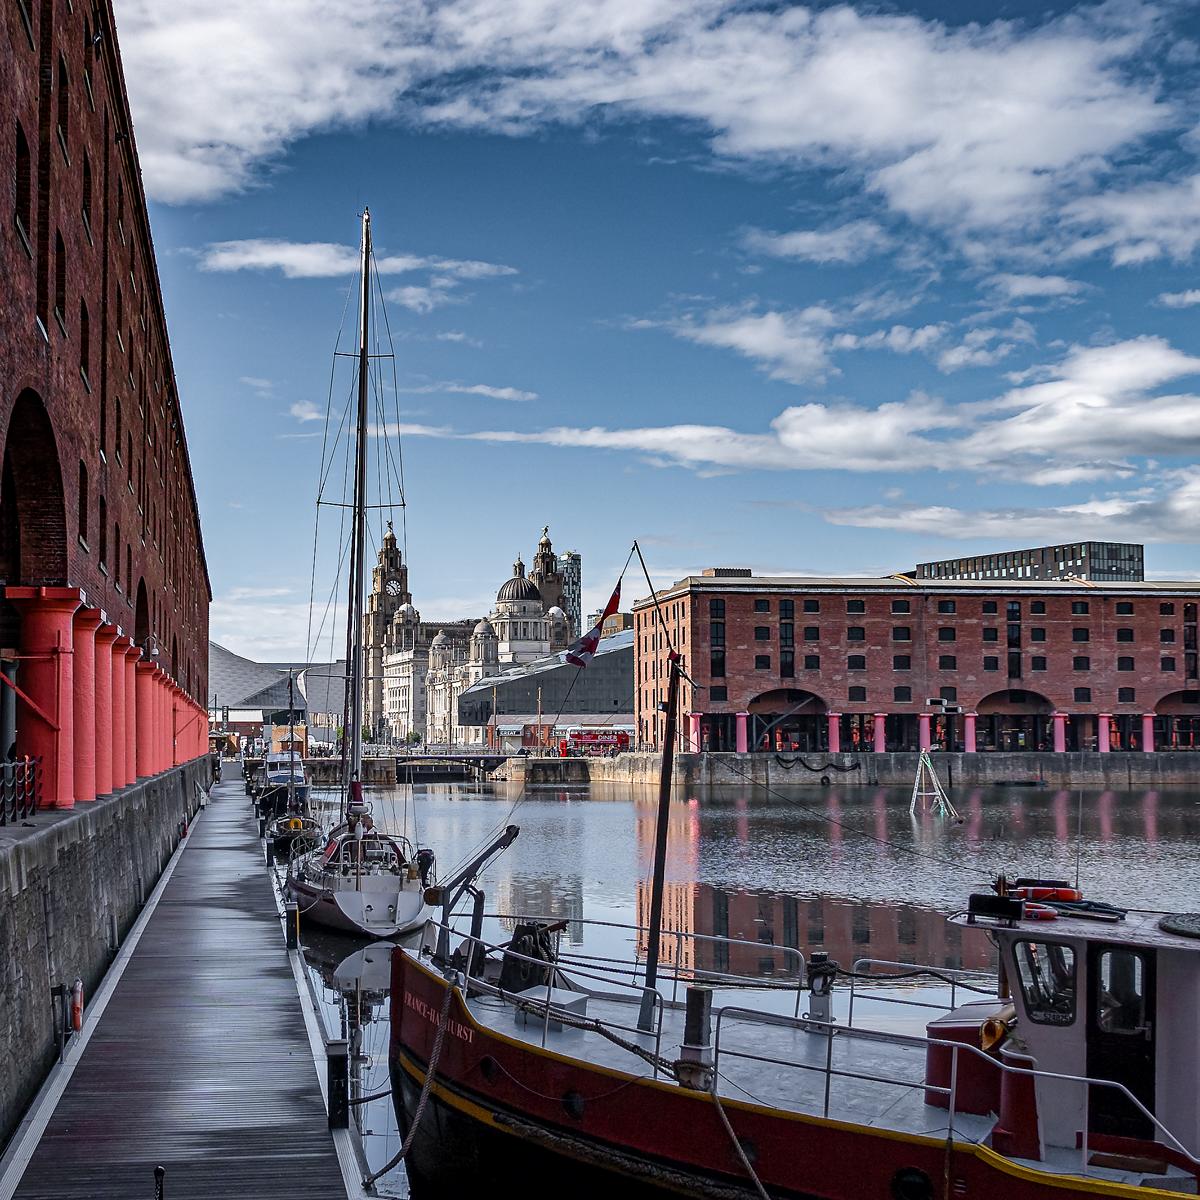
(295, 823)
(1038, 912)
(1046, 893)
(77, 1005)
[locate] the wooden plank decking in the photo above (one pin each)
(200, 1062)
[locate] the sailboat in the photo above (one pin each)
(284, 799)
(1074, 1074)
(361, 880)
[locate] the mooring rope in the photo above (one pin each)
(788, 763)
(737, 1145)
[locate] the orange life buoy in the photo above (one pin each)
(1038, 912)
(77, 1005)
(1046, 893)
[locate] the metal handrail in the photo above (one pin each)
(801, 968)
(950, 974)
(917, 1042)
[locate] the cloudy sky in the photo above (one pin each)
(824, 288)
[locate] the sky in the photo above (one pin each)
(827, 288)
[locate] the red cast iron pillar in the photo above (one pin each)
(104, 725)
(132, 656)
(87, 621)
(46, 712)
(144, 721)
(120, 712)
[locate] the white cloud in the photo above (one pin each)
(471, 389)
(306, 410)
(970, 126)
(262, 386)
(902, 339)
(1020, 287)
(849, 243)
(1180, 299)
(1156, 220)
(984, 347)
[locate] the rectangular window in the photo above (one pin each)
(1166, 609)
(901, 662)
(716, 609)
(948, 693)
(1083, 695)
(787, 664)
(989, 608)
(1166, 635)
(1126, 695)
(1124, 635)
(857, 694)
(947, 634)
(1037, 634)
(856, 606)
(947, 662)
(762, 606)
(716, 633)
(1125, 663)
(812, 662)
(1013, 610)
(856, 662)
(991, 662)
(1167, 664)
(1037, 663)
(946, 606)
(1037, 607)
(856, 633)
(787, 610)
(1079, 608)
(716, 664)
(901, 633)
(1124, 608)
(1080, 634)
(1081, 662)
(901, 606)
(762, 662)
(762, 633)
(991, 633)
(787, 634)
(1046, 971)
(812, 633)
(1014, 664)
(812, 606)
(903, 694)
(720, 692)
(23, 208)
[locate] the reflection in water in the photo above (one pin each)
(768, 869)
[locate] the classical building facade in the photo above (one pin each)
(105, 587)
(852, 664)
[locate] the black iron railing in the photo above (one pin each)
(20, 789)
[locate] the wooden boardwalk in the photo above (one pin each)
(200, 1062)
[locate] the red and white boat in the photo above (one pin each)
(516, 1070)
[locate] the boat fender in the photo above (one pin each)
(995, 1029)
(295, 823)
(1046, 893)
(1038, 912)
(77, 1005)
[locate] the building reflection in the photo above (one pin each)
(762, 923)
(559, 899)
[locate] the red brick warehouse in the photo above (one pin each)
(104, 616)
(829, 664)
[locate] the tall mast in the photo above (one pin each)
(358, 540)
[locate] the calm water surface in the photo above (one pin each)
(844, 870)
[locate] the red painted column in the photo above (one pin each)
(834, 722)
(164, 720)
(880, 733)
(104, 726)
(86, 622)
(45, 728)
(1102, 730)
(1060, 733)
(923, 738)
(132, 656)
(740, 741)
(694, 732)
(157, 755)
(1147, 731)
(120, 772)
(969, 732)
(144, 720)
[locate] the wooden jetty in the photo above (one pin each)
(200, 1061)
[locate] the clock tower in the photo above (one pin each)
(389, 590)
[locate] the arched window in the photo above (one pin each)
(85, 339)
(60, 279)
(128, 564)
(87, 190)
(117, 426)
(83, 502)
(64, 107)
(102, 521)
(23, 187)
(117, 554)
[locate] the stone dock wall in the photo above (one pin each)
(72, 882)
(993, 769)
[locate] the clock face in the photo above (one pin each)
(393, 587)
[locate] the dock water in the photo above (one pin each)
(200, 1062)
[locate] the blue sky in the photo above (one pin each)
(826, 288)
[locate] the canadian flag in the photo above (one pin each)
(580, 654)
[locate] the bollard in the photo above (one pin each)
(694, 1068)
(262, 825)
(291, 911)
(269, 851)
(160, 1183)
(337, 1065)
(821, 973)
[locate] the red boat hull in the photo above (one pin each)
(503, 1111)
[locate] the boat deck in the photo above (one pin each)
(200, 1061)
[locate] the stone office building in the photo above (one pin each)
(828, 664)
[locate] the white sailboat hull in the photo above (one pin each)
(379, 909)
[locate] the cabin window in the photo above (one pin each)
(1121, 995)
(1046, 971)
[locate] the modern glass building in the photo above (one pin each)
(1113, 562)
